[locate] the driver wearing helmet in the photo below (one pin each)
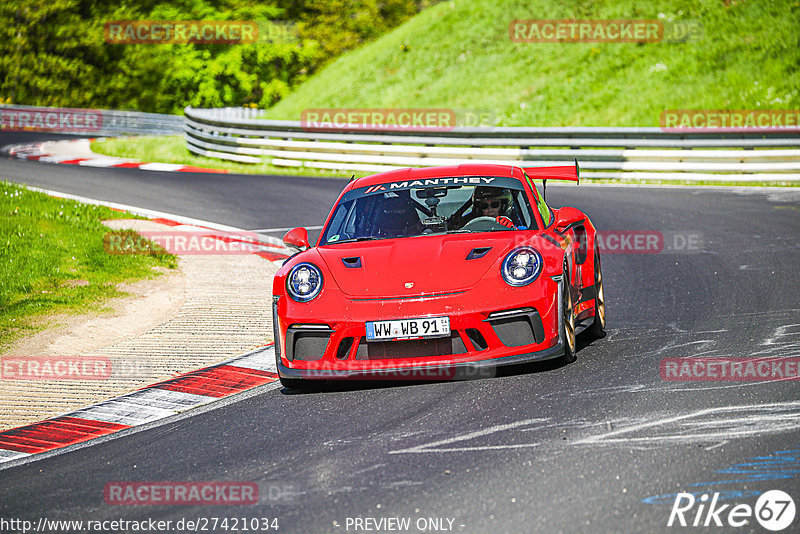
(491, 202)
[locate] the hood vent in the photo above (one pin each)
(353, 262)
(478, 252)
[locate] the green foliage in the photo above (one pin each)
(341, 25)
(54, 52)
(455, 54)
(45, 48)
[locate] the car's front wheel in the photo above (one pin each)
(598, 327)
(568, 321)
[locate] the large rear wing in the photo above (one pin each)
(571, 173)
(561, 172)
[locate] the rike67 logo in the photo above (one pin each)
(774, 510)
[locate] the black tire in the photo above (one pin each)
(568, 321)
(598, 328)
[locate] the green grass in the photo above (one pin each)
(52, 260)
(458, 55)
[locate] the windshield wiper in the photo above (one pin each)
(353, 239)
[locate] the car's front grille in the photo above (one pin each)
(414, 348)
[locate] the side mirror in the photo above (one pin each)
(566, 216)
(297, 238)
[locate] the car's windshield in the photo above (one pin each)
(392, 212)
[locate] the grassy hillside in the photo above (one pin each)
(458, 54)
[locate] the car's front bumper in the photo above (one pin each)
(524, 325)
(454, 371)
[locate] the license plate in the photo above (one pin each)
(416, 328)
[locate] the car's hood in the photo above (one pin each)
(432, 264)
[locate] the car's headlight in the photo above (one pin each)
(304, 282)
(522, 266)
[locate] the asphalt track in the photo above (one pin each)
(595, 446)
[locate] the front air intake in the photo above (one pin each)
(344, 348)
(515, 328)
(307, 342)
(477, 339)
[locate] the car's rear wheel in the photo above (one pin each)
(598, 327)
(568, 321)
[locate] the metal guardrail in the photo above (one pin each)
(235, 134)
(94, 122)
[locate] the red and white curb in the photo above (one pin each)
(38, 152)
(267, 250)
(163, 399)
(146, 405)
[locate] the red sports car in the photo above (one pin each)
(437, 273)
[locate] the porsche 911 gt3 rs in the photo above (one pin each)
(425, 273)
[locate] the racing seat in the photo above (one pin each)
(397, 217)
